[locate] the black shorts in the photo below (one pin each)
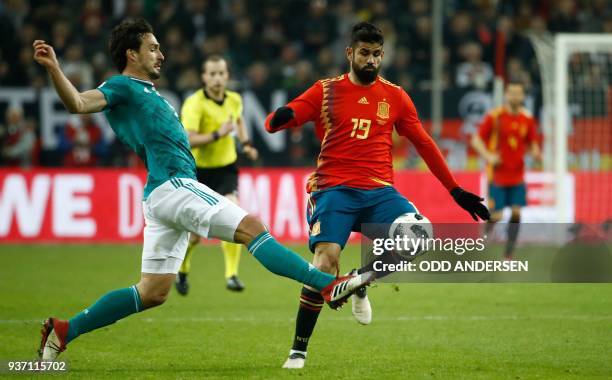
(223, 180)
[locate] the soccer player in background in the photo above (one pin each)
(175, 203)
(502, 140)
(355, 114)
(209, 116)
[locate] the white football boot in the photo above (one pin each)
(361, 308)
(296, 360)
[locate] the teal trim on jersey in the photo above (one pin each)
(146, 122)
(206, 197)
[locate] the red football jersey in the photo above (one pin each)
(355, 124)
(509, 135)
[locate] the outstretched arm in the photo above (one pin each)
(282, 118)
(409, 125)
(304, 108)
(432, 156)
(75, 102)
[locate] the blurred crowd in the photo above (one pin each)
(272, 44)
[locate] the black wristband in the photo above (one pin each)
(246, 143)
(456, 191)
(215, 135)
(282, 116)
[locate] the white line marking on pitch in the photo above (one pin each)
(348, 318)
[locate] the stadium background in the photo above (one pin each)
(271, 50)
(65, 179)
(274, 56)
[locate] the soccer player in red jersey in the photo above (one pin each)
(354, 115)
(503, 138)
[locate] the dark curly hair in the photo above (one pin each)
(125, 36)
(366, 32)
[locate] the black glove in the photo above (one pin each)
(282, 116)
(471, 203)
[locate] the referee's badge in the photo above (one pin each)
(316, 228)
(383, 110)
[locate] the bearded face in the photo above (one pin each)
(365, 59)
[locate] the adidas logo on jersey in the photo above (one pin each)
(363, 100)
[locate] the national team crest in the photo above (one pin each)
(383, 110)
(316, 228)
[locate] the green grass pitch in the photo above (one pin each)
(419, 331)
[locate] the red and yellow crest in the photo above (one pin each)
(383, 110)
(316, 228)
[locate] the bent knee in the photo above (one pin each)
(327, 258)
(327, 266)
(153, 293)
(153, 299)
(248, 229)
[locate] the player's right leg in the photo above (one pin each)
(327, 259)
(151, 291)
(331, 215)
(163, 251)
(224, 180)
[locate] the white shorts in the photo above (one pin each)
(176, 208)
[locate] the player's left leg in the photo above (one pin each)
(517, 198)
(513, 232)
(385, 205)
(388, 205)
(496, 203)
(231, 255)
(182, 284)
(211, 215)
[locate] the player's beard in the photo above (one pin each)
(366, 74)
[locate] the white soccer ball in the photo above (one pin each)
(413, 230)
